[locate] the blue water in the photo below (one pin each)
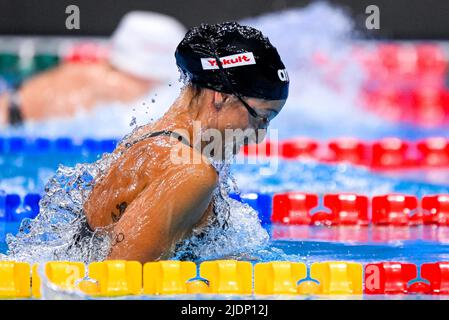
(300, 243)
(311, 176)
(359, 244)
(308, 244)
(28, 172)
(363, 244)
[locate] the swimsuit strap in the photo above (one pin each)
(168, 133)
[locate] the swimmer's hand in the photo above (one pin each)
(157, 219)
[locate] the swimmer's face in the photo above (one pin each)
(234, 115)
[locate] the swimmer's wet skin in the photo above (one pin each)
(235, 80)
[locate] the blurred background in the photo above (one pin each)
(368, 109)
(401, 19)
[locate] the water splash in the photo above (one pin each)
(235, 231)
(60, 231)
(55, 233)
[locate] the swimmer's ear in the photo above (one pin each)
(221, 98)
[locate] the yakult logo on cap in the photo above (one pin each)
(235, 60)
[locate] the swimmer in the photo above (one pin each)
(140, 48)
(235, 80)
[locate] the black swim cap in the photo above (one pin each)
(250, 64)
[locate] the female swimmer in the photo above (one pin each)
(149, 202)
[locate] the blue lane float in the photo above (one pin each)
(13, 208)
(23, 145)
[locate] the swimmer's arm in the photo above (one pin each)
(156, 220)
(70, 87)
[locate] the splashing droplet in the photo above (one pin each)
(133, 121)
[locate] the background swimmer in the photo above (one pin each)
(235, 80)
(138, 61)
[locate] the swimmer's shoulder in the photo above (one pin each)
(196, 183)
(177, 156)
(190, 161)
(203, 172)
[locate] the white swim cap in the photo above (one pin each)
(144, 44)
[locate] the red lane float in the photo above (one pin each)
(348, 149)
(436, 209)
(265, 149)
(401, 278)
(426, 106)
(293, 207)
(419, 287)
(388, 277)
(395, 210)
(346, 209)
(384, 154)
(434, 152)
(299, 147)
(406, 83)
(402, 60)
(431, 58)
(438, 276)
(296, 208)
(390, 153)
(404, 65)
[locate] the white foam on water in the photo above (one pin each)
(59, 231)
(55, 233)
(235, 231)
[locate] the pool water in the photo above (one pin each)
(358, 244)
(300, 243)
(28, 172)
(364, 244)
(3, 246)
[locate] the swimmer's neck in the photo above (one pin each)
(192, 111)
